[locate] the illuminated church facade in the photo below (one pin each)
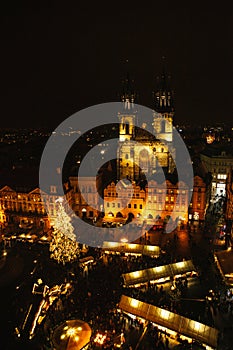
(143, 150)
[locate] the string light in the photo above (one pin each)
(63, 247)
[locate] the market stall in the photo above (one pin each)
(159, 274)
(224, 261)
(131, 248)
(174, 324)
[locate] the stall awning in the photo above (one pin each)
(182, 325)
(155, 273)
(224, 261)
(132, 248)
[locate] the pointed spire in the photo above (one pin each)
(163, 96)
(128, 92)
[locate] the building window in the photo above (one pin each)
(140, 206)
(53, 189)
(129, 205)
(108, 205)
(135, 206)
(222, 176)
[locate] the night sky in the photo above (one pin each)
(60, 58)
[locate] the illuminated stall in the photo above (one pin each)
(159, 274)
(131, 248)
(224, 261)
(174, 324)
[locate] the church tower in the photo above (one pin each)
(127, 117)
(163, 103)
(127, 114)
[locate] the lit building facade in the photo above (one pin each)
(199, 202)
(219, 166)
(141, 153)
(89, 205)
(27, 209)
(154, 202)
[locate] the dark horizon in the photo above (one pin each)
(56, 60)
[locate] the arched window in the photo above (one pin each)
(143, 160)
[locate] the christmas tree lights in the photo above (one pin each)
(63, 247)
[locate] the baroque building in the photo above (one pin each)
(27, 210)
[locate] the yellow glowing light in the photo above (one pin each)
(76, 338)
(71, 331)
(63, 336)
(180, 264)
(198, 326)
(100, 338)
(79, 328)
(65, 328)
(165, 314)
(136, 274)
(134, 303)
(159, 268)
(151, 248)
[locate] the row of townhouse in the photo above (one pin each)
(121, 201)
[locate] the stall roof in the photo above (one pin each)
(155, 273)
(182, 325)
(225, 264)
(132, 248)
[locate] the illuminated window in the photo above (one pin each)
(222, 176)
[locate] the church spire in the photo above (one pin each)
(163, 96)
(128, 93)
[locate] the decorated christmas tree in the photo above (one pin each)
(63, 247)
